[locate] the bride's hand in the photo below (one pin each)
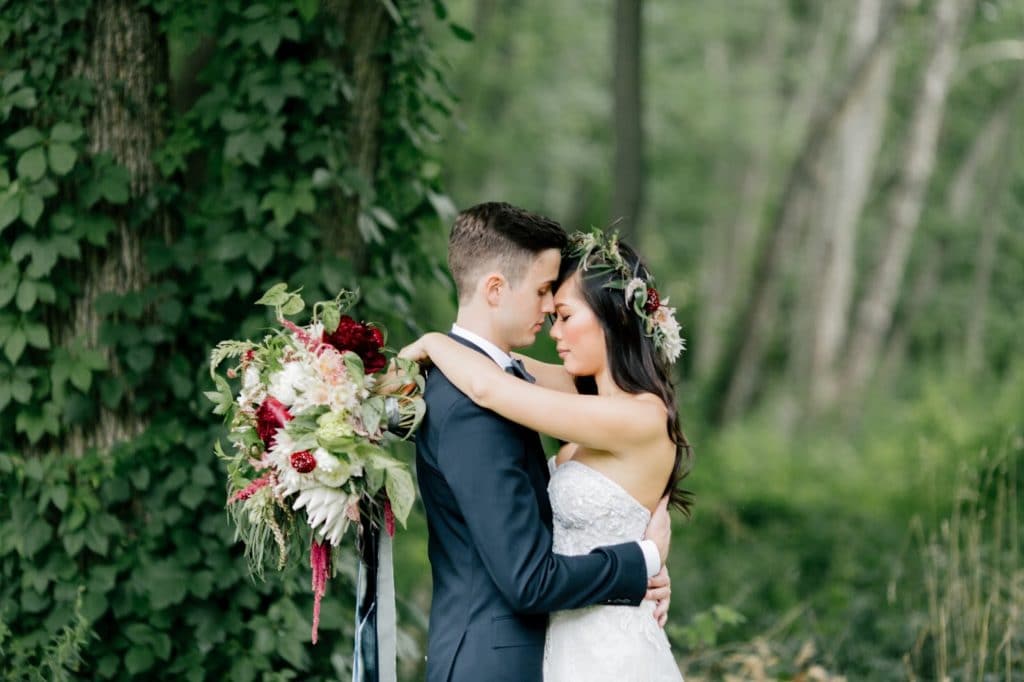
(416, 351)
(659, 590)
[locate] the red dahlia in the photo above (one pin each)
(362, 339)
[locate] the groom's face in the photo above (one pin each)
(522, 312)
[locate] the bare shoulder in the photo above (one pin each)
(653, 405)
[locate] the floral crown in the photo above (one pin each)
(600, 254)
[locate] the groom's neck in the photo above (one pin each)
(479, 324)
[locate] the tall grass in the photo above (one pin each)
(973, 578)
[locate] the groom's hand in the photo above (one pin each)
(659, 530)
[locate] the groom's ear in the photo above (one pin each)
(494, 285)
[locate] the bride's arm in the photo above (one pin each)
(613, 423)
(547, 374)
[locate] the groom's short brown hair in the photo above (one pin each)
(498, 235)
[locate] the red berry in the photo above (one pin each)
(653, 302)
(303, 462)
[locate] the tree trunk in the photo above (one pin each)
(731, 236)
(714, 273)
(904, 209)
(984, 262)
(738, 370)
(628, 180)
(807, 99)
(126, 63)
(961, 203)
(841, 202)
(367, 26)
(921, 293)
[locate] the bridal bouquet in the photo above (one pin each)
(308, 424)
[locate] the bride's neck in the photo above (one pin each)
(605, 384)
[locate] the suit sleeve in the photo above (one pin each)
(482, 457)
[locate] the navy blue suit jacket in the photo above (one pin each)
(483, 480)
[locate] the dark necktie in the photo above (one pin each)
(517, 368)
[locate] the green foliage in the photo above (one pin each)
(832, 535)
(141, 535)
(254, 170)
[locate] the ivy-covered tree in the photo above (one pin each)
(161, 163)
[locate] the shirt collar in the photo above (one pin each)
(498, 355)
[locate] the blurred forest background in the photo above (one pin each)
(831, 193)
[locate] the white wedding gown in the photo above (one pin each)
(601, 643)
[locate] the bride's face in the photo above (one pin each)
(577, 332)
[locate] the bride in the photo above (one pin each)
(613, 404)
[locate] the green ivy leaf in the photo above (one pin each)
(10, 208)
(307, 9)
(59, 495)
(32, 164)
(73, 543)
(65, 132)
(259, 252)
(24, 98)
(81, 377)
(140, 358)
(139, 659)
(9, 278)
(37, 336)
(113, 186)
(62, 158)
(26, 296)
(23, 246)
(31, 208)
(25, 138)
(15, 346)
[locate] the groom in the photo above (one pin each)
(483, 479)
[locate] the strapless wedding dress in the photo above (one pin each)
(601, 643)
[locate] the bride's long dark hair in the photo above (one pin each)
(635, 364)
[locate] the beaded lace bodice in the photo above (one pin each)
(591, 510)
(601, 643)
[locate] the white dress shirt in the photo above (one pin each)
(651, 556)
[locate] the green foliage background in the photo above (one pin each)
(122, 564)
(829, 541)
